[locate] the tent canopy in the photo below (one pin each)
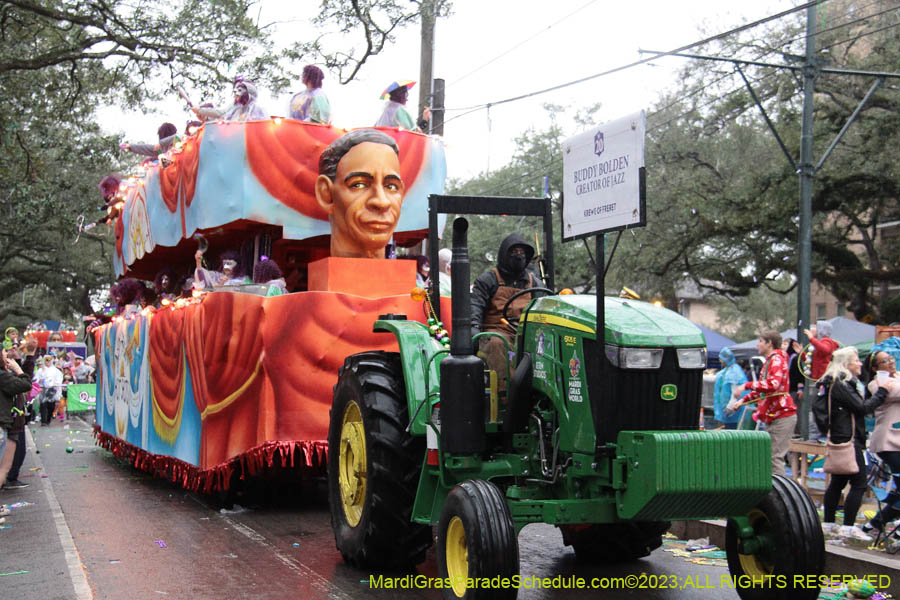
(846, 331)
(714, 343)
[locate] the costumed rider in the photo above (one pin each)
(444, 257)
(109, 187)
(395, 113)
(128, 296)
(490, 292)
(167, 135)
(311, 104)
(165, 285)
(729, 378)
(231, 273)
(267, 272)
(245, 107)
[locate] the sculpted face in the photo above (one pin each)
(364, 200)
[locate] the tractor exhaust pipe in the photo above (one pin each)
(460, 301)
(462, 373)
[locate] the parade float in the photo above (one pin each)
(229, 383)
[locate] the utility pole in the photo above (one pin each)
(428, 14)
(805, 169)
(437, 108)
(806, 172)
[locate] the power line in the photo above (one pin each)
(848, 23)
(531, 173)
(860, 36)
(522, 43)
(706, 87)
(770, 52)
(646, 60)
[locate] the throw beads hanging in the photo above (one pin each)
(435, 327)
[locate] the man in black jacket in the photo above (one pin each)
(490, 293)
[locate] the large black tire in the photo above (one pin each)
(476, 540)
(795, 546)
(614, 542)
(380, 464)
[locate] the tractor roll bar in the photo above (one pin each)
(487, 205)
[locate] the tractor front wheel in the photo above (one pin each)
(786, 541)
(374, 466)
(476, 541)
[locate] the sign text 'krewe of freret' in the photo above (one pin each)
(603, 169)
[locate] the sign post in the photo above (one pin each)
(604, 189)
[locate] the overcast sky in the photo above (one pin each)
(491, 50)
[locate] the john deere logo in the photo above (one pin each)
(668, 392)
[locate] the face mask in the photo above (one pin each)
(517, 262)
(242, 95)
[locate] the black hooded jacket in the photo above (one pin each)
(486, 284)
(847, 401)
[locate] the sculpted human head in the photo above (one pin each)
(360, 187)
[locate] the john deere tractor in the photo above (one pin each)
(599, 437)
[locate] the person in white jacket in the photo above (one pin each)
(50, 379)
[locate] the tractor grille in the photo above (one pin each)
(630, 400)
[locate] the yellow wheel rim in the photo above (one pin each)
(457, 556)
(352, 464)
(753, 564)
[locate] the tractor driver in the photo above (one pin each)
(360, 188)
(490, 292)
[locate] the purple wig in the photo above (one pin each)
(165, 130)
(109, 187)
(266, 270)
(313, 76)
(127, 291)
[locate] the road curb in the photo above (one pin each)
(839, 561)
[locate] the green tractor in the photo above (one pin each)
(600, 439)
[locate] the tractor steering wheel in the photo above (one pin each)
(514, 322)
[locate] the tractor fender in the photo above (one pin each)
(420, 357)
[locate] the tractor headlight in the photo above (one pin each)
(634, 358)
(691, 358)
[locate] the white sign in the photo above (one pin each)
(602, 169)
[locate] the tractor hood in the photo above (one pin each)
(628, 322)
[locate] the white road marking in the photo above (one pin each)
(317, 580)
(73, 559)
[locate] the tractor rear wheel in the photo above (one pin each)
(374, 466)
(476, 540)
(614, 542)
(788, 542)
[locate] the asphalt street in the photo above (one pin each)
(92, 527)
